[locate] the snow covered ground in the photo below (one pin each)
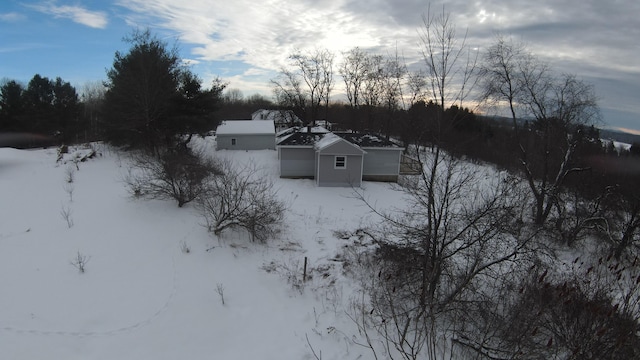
(142, 296)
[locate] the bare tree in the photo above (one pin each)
(233, 96)
(451, 64)
(242, 197)
(579, 216)
(289, 91)
(326, 66)
(560, 106)
(461, 230)
(258, 101)
(353, 70)
(623, 218)
(417, 85)
(373, 90)
(307, 83)
(93, 97)
(393, 81)
(372, 94)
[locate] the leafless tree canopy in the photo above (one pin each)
(560, 106)
(354, 69)
(460, 232)
(306, 84)
(451, 64)
(242, 197)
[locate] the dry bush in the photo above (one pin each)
(568, 320)
(66, 214)
(80, 261)
(242, 197)
(438, 258)
(179, 174)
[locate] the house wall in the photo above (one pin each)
(328, 176)
(381, 164)
(246, 142)
(297, 162)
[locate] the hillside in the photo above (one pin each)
(142, 295)
(88, 272)
(605, 134)
(619, 136)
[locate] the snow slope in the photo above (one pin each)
(142, 296)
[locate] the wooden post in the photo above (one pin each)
(304, 274)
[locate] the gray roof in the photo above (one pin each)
(363, 140)
(367, 140)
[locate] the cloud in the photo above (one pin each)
(11, 17)
(190, 62)
(262, 34)
(23, 47)
(590, 38)
(78, 14)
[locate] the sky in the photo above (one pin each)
(246, 42)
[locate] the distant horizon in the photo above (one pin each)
(626, 131)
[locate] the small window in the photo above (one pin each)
(233, 142)
(341, 162)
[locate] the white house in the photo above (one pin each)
(246, 135)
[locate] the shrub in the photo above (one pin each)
(242, 197)
(179, 174)
(563, 320)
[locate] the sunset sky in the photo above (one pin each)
(246, 42)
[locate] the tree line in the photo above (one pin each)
(150, 99)
(44, 105)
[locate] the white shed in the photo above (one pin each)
(246, 135)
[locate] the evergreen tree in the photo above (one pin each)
(11, 106)
(151, 98)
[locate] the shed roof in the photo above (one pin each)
(303, 136)
(332, 143)
(367, 140)
(246, 127)
(326, 141)
(363, 140)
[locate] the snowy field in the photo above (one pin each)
(142, 296)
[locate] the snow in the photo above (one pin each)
(141, 296)
(314, 129)
(327, 141)
(621, 146)
(246, 127)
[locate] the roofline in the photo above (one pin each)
(243, 133)
(340, 154)
(295, 146)
(338, 139)
(361, 147)
(382, 148)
